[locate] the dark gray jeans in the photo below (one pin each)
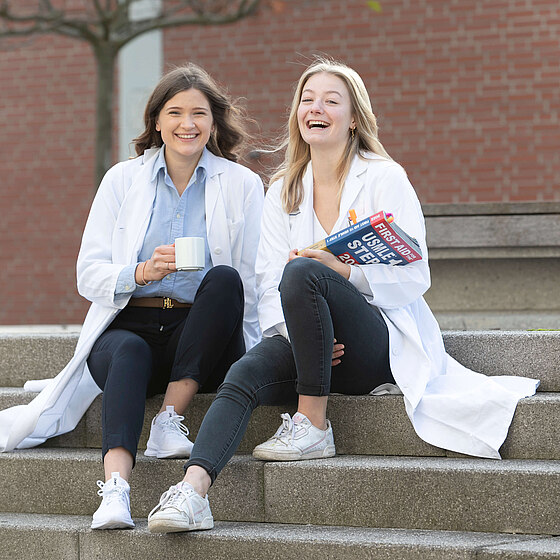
(319, 305)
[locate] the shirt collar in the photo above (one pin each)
(200, 172)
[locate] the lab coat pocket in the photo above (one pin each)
(235, 228)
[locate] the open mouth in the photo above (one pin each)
(317, 124)
(186, 136)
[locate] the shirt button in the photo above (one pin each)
(127, 287)
(217, 251)
(395, 351)
(178, 215)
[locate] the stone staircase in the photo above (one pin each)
(386, 495)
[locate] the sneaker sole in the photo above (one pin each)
(173, 454)
(169, 525)
(113, 524)
(269, 455)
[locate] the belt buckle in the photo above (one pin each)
(167, 303)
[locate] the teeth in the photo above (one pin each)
(321, 124)
(186, 136)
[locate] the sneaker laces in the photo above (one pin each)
(174, 497)
(287, 431)
(174, 423)
(110, 491)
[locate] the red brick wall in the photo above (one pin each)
(467, 96)
(467, 93)
(46, 177)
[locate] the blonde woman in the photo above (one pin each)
(386, 334)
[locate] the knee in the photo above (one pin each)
(224, 278)
(241, 381)
(133, 355)
(296, 276)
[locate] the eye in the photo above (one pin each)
(332, 102)
(306, 100)
(202, 113)
(173, 112)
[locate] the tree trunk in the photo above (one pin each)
(105, 57)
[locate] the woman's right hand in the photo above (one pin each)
(158, 266)
(338, 350)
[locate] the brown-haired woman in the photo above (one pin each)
(154, 329)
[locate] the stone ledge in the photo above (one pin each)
(53, 537)
(490, 208)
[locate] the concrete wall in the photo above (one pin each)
(494, 265)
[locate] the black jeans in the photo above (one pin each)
(144, 349)
(318, 304)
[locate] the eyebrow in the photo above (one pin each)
(327, 92)
(193, 109)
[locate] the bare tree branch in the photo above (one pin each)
(108, 25)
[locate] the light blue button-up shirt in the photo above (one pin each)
(172, 216)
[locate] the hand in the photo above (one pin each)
(328, 259)
(159, 265)
(338, 351)
(293, 255)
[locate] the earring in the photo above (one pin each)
(352, 132)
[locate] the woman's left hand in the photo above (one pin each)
(328, 259)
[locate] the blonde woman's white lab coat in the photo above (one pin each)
(449, 405)
(112, 239)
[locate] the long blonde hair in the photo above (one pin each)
(297, 154)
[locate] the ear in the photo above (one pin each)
(353, 123)
(158, 128)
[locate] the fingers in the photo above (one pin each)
(293, 255)
(162, 261)
(338, 351)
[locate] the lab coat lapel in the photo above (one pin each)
(353, 186)
(216, 218)
(136, 210)
(303, 225)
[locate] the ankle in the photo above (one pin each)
(199, 479)
(318, 421)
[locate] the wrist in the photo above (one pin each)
(140, 275)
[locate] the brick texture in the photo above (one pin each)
(467, 96)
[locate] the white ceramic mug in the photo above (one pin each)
(189, 253)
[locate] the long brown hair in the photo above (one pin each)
(297, 155)
(229, 133)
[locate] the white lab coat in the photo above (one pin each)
(112, 239)
(449, 405)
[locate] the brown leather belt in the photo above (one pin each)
(158, 302)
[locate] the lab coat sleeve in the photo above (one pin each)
(96, 272)
(272, 255)
(397, 286)
(252, 211)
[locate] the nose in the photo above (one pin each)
(317, 106)
(187, 122)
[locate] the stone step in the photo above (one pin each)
(511, 496)
(62, 537)
(535, 354)
(363, 425)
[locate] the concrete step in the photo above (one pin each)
(363, 425)
(511, 496)
(61, 537)
(530, 353)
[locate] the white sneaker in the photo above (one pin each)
(296, 439)
(181, 508)
(114, 511)
(168, 436)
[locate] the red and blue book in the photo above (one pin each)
(377, 239)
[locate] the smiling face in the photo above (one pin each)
(325, 112)
(185, 123)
